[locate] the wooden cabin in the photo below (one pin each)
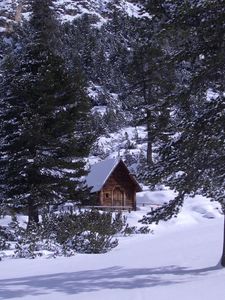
(113, 184)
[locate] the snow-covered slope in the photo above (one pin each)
(177, 262)
(101, 9)
(14, 10)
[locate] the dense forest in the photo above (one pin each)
(73, 73)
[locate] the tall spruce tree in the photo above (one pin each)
(192, 161)
(44, 120)
(153, 77)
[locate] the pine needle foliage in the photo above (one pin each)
(45, 119)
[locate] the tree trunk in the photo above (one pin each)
(32, 214)
(149, 141)
(223, 253)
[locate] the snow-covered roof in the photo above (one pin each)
(100, 172)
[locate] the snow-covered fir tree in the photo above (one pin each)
(45, 132)
(192, 161)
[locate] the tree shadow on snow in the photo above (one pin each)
(94, 280)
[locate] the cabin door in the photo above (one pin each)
(118, 197)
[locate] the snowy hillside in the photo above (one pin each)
(12, 11)
(178, 261)
(99, 9)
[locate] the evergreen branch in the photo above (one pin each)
(165, 212)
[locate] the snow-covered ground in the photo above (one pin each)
(179, 261)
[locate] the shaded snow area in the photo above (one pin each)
(178, 261)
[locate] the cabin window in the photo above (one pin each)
(107, 195)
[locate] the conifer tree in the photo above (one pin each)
(192, 161)
(44, 120)
(152, 74)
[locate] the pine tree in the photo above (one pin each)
(44, 120)
(192, 161)
(152, 74)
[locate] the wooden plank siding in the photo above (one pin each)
(119, 189)
(112, 185)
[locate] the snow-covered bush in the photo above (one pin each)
(91, 242)
(2, 211)
(4, 237)
(15, 230)
(86, 231)
(6, 234)
(4, 245)
(105, 223)
(28, 243)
